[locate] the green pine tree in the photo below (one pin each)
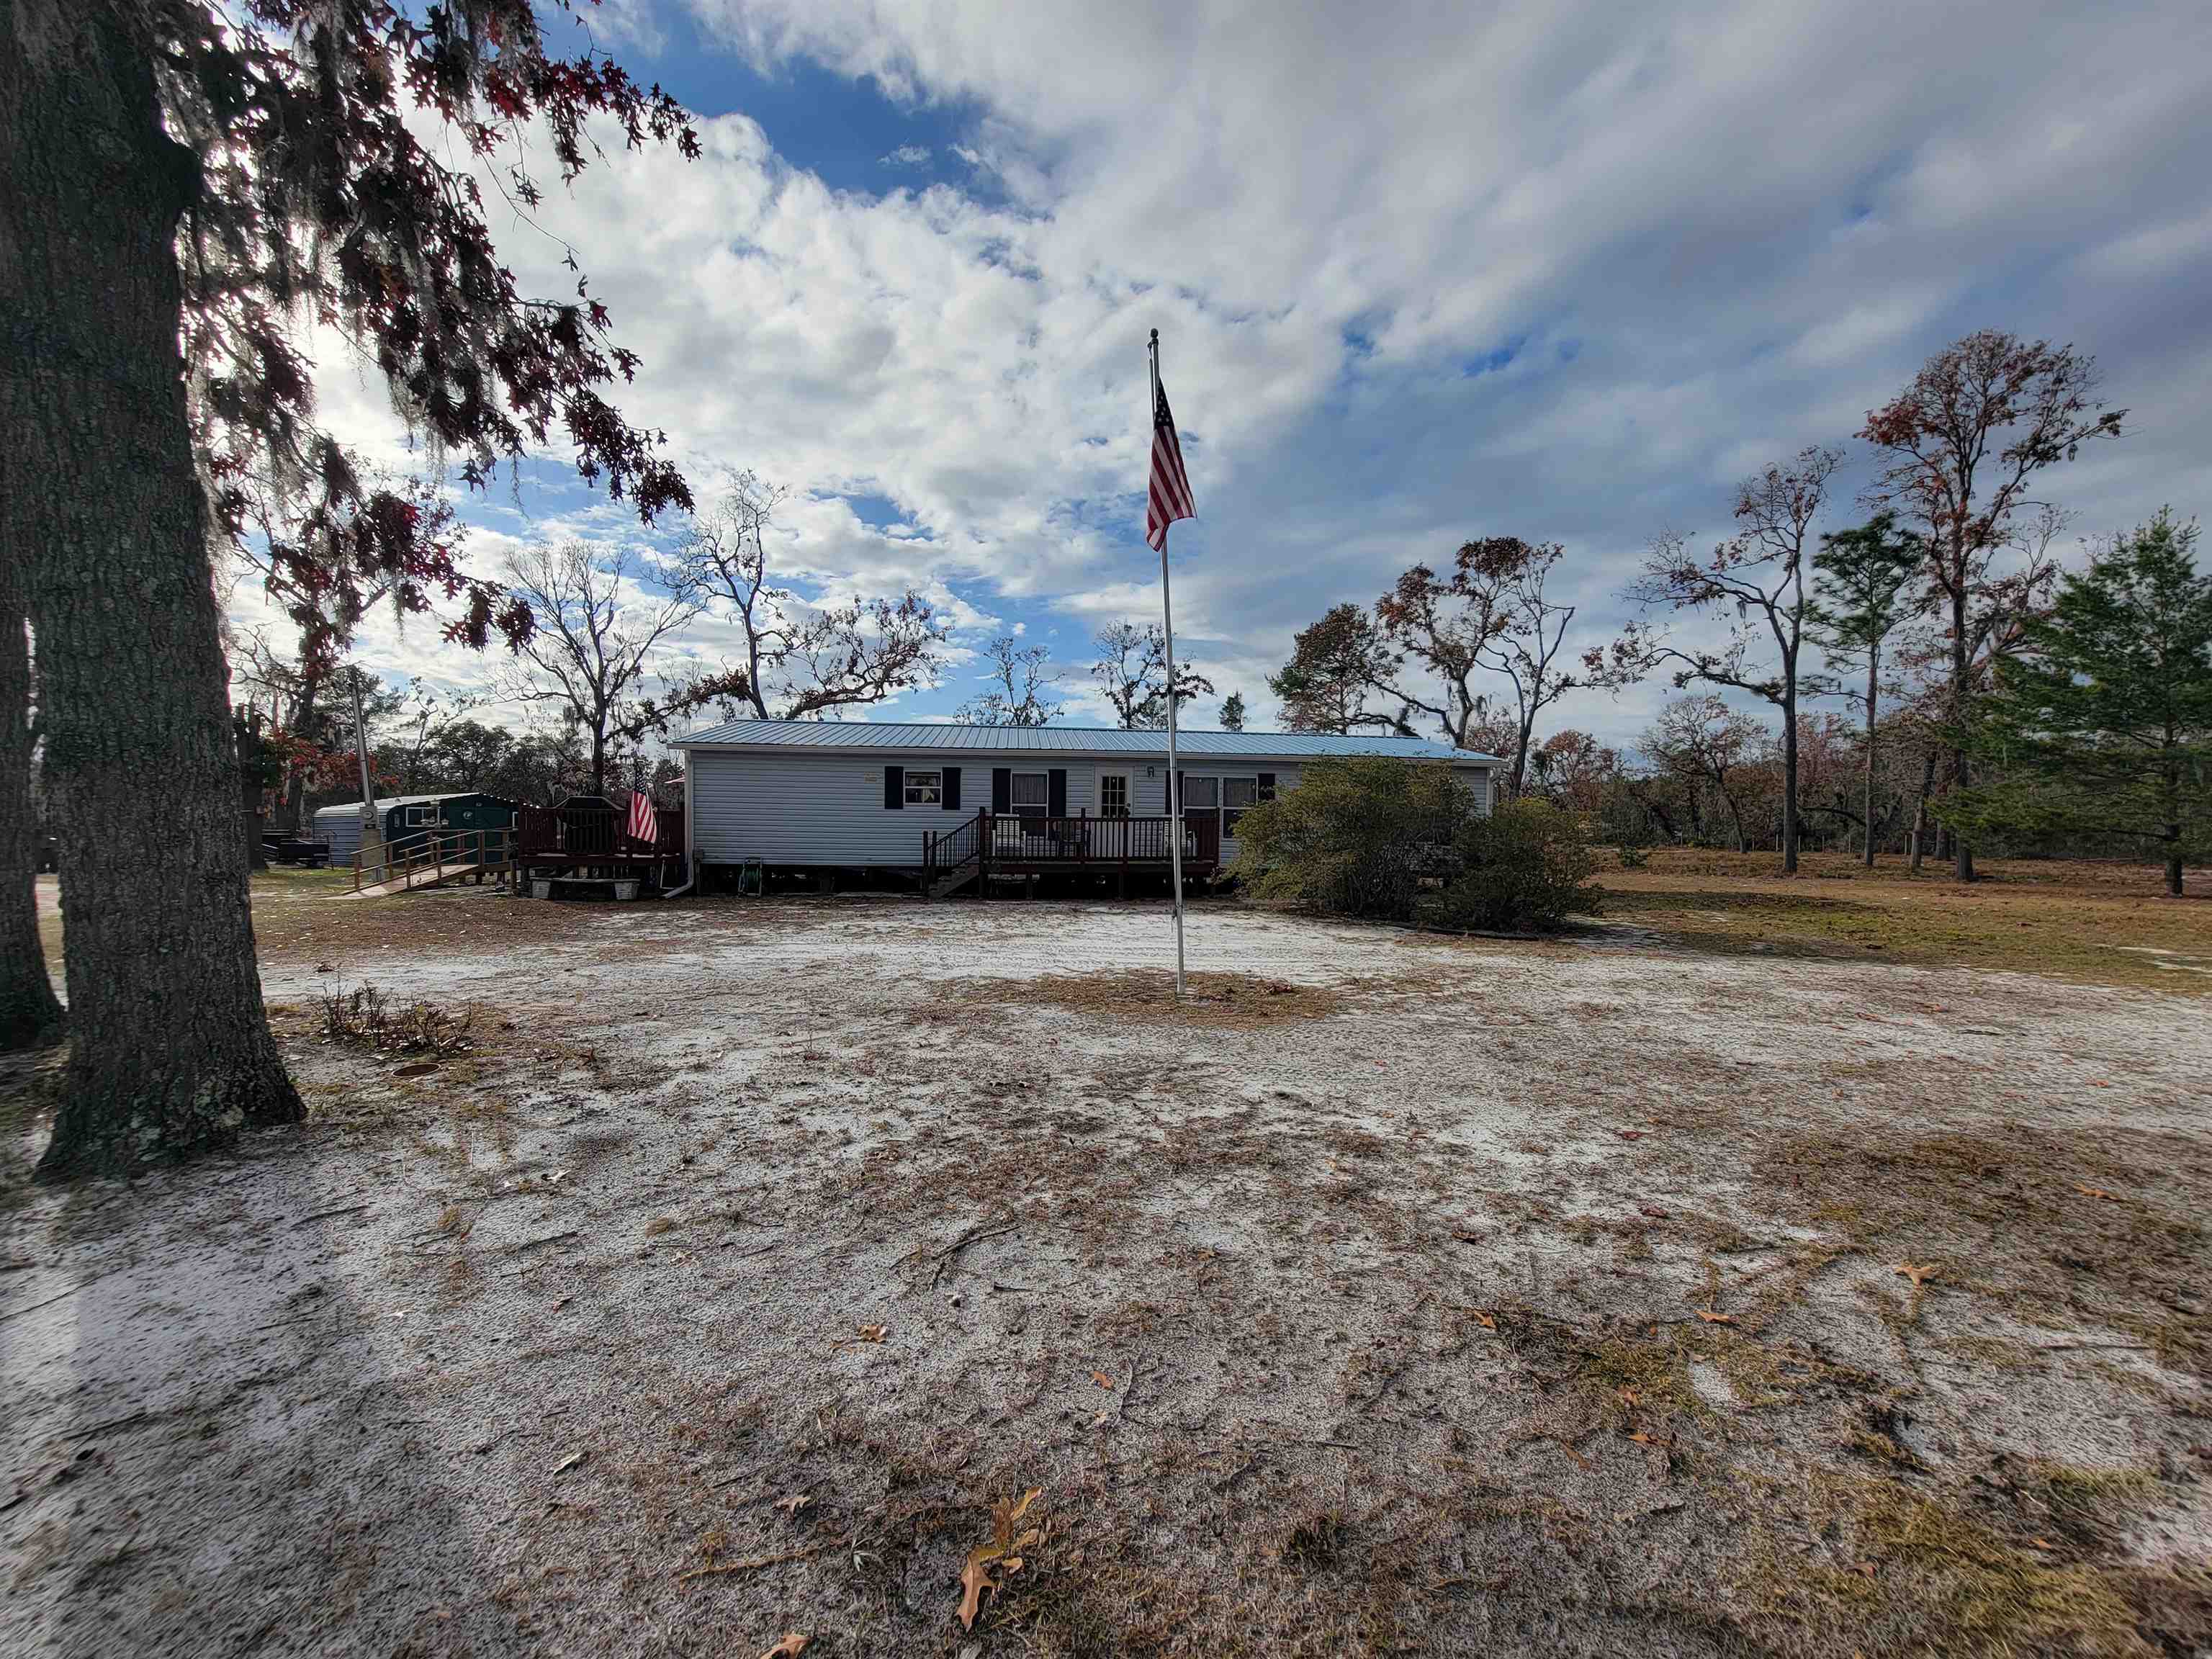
(1860, 595)
(2103, 725)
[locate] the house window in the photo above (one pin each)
(1113, 795)
(1030, 796)
(924, 789)
(1237, 795)
(419, 816)
(1202, 796)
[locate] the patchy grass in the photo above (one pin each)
(1878, 1567)
(2102, 924)
(1228, 1001)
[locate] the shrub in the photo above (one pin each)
(364, 1018)
(1355, 836)
(1524, 868)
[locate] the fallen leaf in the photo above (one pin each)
(1630, 1134)
(1653, 1211)
(793, 1505)
(1102, 1380)
(1488, 1322)
(2098, 1083)
(2095, 1192)
(874, 1333)
(1644, 1439)
(1712, 1318)
(1918, 1275)
(2041, 1543)
(569, 1462)
(791, 1647)
(1630, 1397)
(975, 1579)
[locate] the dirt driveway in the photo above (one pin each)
(1411, 1295)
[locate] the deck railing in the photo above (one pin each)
(1024, 841)
(582, 834)
(953, 851)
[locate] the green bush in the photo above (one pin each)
(1525, 868)
(1356, 837)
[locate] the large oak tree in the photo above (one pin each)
(183, 187)
(1960, 448)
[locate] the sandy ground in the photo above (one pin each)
(1423, 1295)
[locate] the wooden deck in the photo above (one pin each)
(564, 840)
(1016, 844)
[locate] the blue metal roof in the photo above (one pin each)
(923, 738)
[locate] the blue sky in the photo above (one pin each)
(1421, 273)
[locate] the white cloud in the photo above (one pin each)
(907, 156)
(1420, 274)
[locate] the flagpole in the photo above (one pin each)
(1174, 781)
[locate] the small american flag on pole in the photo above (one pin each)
(1170, 491)
(644, 828)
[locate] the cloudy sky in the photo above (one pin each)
(1421, 272)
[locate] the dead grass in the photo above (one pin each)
(1225, 1001)
(2092, 923)
(1878, 1567)
(2054, 1229)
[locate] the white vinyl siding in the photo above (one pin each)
(810, 806)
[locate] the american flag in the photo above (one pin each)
(1170, 490)
(643, 826)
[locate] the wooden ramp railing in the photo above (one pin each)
(441, 856)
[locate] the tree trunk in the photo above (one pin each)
(295, 808)
(1790, 778)
(1920, 808)
(1874, 662)
(1742, 840)
(170, 1049)
(1963, 866)
(29, 1013)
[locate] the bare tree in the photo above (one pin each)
(801, 662)
(1022, 678)
(1501, 579)
(591, 650)
(1961, 446)
(1759, 573)
(1132, 670)
(1701, 740)
(1432, 643)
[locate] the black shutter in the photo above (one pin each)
(1175, 807)
(1266, 789)
(1055, 793)
(895, 788)
(950, 798)
(1002, 789)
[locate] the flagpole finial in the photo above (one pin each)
(1156, 337)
